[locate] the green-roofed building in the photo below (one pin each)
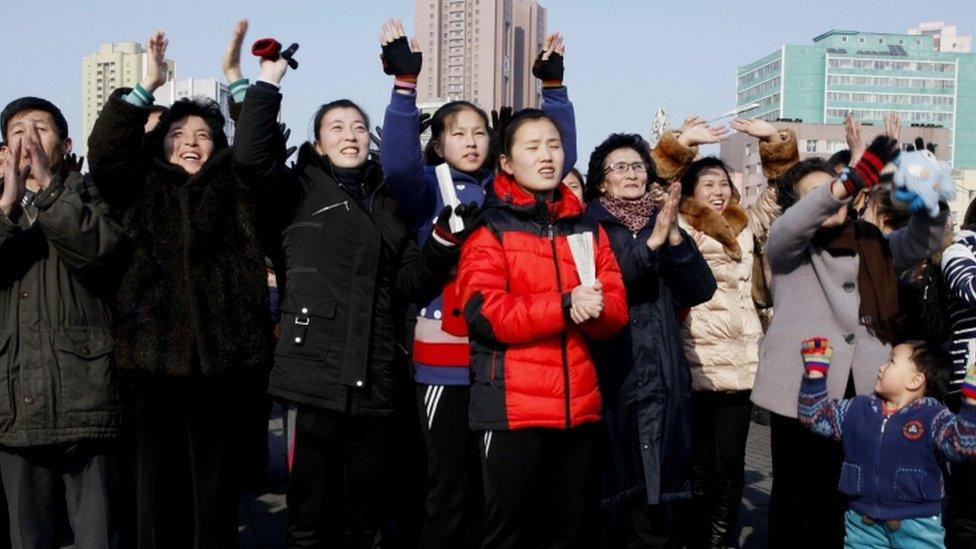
(869, 74)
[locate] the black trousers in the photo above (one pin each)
(337, 490)
(635, 523)
(455, 500)
(183, 451)
(32, 481)
(960, 514)
(720, 429)
(805, 507)
(537, 486)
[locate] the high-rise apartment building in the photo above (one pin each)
(479, 51)
(211, 88)
(115, 65)
(868, 74)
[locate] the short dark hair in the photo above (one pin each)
(205, 108)
(690, 178)
(445, 116)
(506, 134)
(28, 103)
(840, 157)
(787, 191)
(594, 170)
(896, 215)
(337, 104)
(935, 364)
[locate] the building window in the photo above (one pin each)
(811, 145)
(860, 40)
(843, 39)
(881, 40)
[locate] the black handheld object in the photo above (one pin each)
(269, 48)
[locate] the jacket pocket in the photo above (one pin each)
(850, 479)
(86, 372)
(917, 485)
(307, 323)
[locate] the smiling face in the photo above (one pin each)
(536, 157)
(343, 137)
(814, 180)
(621, 179)
(714, 189)
(464, 142)
(188, 143)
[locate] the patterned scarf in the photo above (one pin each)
(634, 214)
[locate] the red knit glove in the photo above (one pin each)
(867, 172)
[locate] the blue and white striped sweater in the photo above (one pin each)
(959, 269)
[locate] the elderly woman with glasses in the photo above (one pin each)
(643, 375)
(721, 336)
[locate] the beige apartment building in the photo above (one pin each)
(479, 51)
(115, 65)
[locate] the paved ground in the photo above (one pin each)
(262, 518)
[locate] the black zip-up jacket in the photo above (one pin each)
(351, 269)
(57, 379)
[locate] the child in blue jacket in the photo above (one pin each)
(460, 137)
(893, 442)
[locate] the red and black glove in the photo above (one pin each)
(470, 215)
(402, 63)
(867, 172)
(269, 48)
(550, 71)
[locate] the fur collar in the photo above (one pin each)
(724, 227)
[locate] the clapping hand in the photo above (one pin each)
(666, 223)
(586, 302)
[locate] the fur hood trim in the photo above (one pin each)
(724, 227)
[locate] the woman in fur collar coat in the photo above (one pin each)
(721, 337)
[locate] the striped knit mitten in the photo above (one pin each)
(816, 353)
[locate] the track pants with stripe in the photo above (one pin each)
(455, 505)
(538, 486)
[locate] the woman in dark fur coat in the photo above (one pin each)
(193, 329)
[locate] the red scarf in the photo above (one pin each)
(633, 213)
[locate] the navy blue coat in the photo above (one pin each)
(643, 374)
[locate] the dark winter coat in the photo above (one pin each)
(643, 374)
(194, 299)
(351, 270)
(57, 378)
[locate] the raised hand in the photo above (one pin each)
(156, 68)
(666, 223)
(232, 57)
(14, 179)
(754, 127)
(867, 172)
(701, 134)
(72, 163)
(500, 118)
(401, 59)
(470, 216)
(893, 125)
(816, 353)
(548, 65)
(691, 121)
(855, 143)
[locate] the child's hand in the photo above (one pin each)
(816, 353)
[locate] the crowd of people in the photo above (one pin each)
(529, 358)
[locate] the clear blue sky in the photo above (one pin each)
(624, 59)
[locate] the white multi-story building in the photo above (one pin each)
(211, 88)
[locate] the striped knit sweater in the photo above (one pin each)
(959, 269)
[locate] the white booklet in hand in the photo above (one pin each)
(582, 247)
(448, 194)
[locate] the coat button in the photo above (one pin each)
(849, 287)
(304, 310)
(359, 383)
(849, 338)
(298, 340)
(29, 399)
(25, 294)
(645, 446)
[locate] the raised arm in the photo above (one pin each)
(400, 153)
(815, 410)
(676, 150)
(549, 68)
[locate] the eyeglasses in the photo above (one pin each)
(621, 168)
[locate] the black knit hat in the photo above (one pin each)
(28, 103)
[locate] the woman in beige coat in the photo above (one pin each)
(721, 337)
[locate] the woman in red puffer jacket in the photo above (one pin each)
(534, 392)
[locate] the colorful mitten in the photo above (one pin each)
(816, 353)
